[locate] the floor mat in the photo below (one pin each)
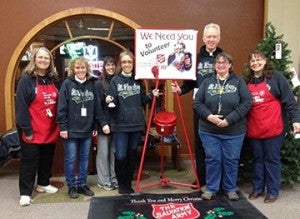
(169, 206)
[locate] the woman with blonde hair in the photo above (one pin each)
(75, 116)
(36, 101)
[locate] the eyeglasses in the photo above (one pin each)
(222, 63)
(110, 65)
(256, 60)
(211, 37)
(43, 57)
(126, 62)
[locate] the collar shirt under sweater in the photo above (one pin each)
(74, 99)
(235, 99)
(130, 99)
(281, 89)
(205, 67)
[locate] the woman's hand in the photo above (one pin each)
(109, 99)
(106, 129)
(155, 92)
(296, 127)
(223, 123)
(217, 120)
(29, 137)
(63, 134)
(175, 88)
(95, 133)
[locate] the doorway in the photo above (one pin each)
(90, 32)
(112, 31)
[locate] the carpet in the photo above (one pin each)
(169, 206)
(150, 174)
(109, 204)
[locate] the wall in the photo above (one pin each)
(285, 16)
(236, 18)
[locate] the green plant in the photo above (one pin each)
(290, 156)
(267, 46)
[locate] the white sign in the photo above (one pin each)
(278, 51)
(97, 65)
(169, 54)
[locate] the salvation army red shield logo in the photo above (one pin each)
(174, 210)
(160, 58)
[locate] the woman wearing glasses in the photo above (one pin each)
(267, 124)
(127, 119)
(105, 160)
(36, 102)
(222, 102)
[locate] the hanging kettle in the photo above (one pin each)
(165, 122)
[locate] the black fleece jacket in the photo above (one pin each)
(130, 99)
(74, 96)
(102, 110)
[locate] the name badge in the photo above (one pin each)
(49, 113)
(83, 111)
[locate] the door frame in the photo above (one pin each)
(10, 76)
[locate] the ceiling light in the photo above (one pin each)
(98, 28)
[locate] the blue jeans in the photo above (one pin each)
(222, 154)
(266, 164)
(126, 142)
(72, 146)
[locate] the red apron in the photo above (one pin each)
(264, 118)
(43, 115)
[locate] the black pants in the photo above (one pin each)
(35, 158)
(199, 152)
(125, 168)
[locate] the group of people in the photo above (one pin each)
(77, 110)
(230, 110)
(227, 110)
